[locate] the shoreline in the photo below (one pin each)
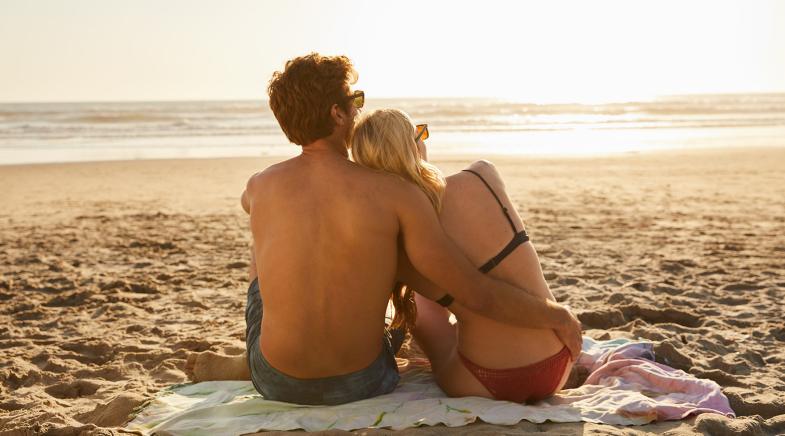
(442, 157)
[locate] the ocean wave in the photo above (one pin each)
(112, 118)
(248, 118)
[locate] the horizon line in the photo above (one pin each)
(492, 98)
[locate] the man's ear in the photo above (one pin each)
(339, 117)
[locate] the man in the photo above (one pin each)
(326, 234)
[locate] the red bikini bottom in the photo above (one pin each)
(525, 384)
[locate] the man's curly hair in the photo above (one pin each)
(302, 94)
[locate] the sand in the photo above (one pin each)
(111, 273)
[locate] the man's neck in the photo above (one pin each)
(326, 147)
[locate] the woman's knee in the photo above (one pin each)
(483, 165)
(488, 171)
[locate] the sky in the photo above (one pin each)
(536, 51)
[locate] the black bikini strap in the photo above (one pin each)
(446, 300)
(517, 240)
(504, 209)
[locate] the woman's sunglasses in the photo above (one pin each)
(358, 99)
(422, 132)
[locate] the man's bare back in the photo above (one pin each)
(325, 242)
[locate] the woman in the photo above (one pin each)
(479, 357)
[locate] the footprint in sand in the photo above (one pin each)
(753, 358)
(717, 425)
(74, 389)
(667, 353)
(192, 345)
(654, 315)
(17, 375)
(69, 300)
(616, 298)
(720, 377)
(733, 301)
(144, 288)
(667, 289)
(92, 352)
(13, 405)
(778, 333)
(32, 314)
(134, 328)
(114, 284)
(746, 402)
(47, 362)
(742, 287)
(602, 319)
(730, 365)
(114, 372)
(237, 265)
(147, 358)
(677, 266)
(113, 413)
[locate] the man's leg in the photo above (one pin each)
(208, 365)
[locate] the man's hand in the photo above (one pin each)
(570, 334)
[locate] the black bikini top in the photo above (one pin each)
(518, 239)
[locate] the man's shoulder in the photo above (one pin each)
(265, 176)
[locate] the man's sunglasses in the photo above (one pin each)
(357, 98)
(422, 132)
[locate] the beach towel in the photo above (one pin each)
(624, 387)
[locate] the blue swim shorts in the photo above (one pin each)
(380, 377)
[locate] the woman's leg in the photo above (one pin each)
(434, 333)
(476, 222)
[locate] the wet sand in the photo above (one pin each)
(112, 272)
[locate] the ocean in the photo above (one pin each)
(69, 132)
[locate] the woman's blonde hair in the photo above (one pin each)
(384, 140)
